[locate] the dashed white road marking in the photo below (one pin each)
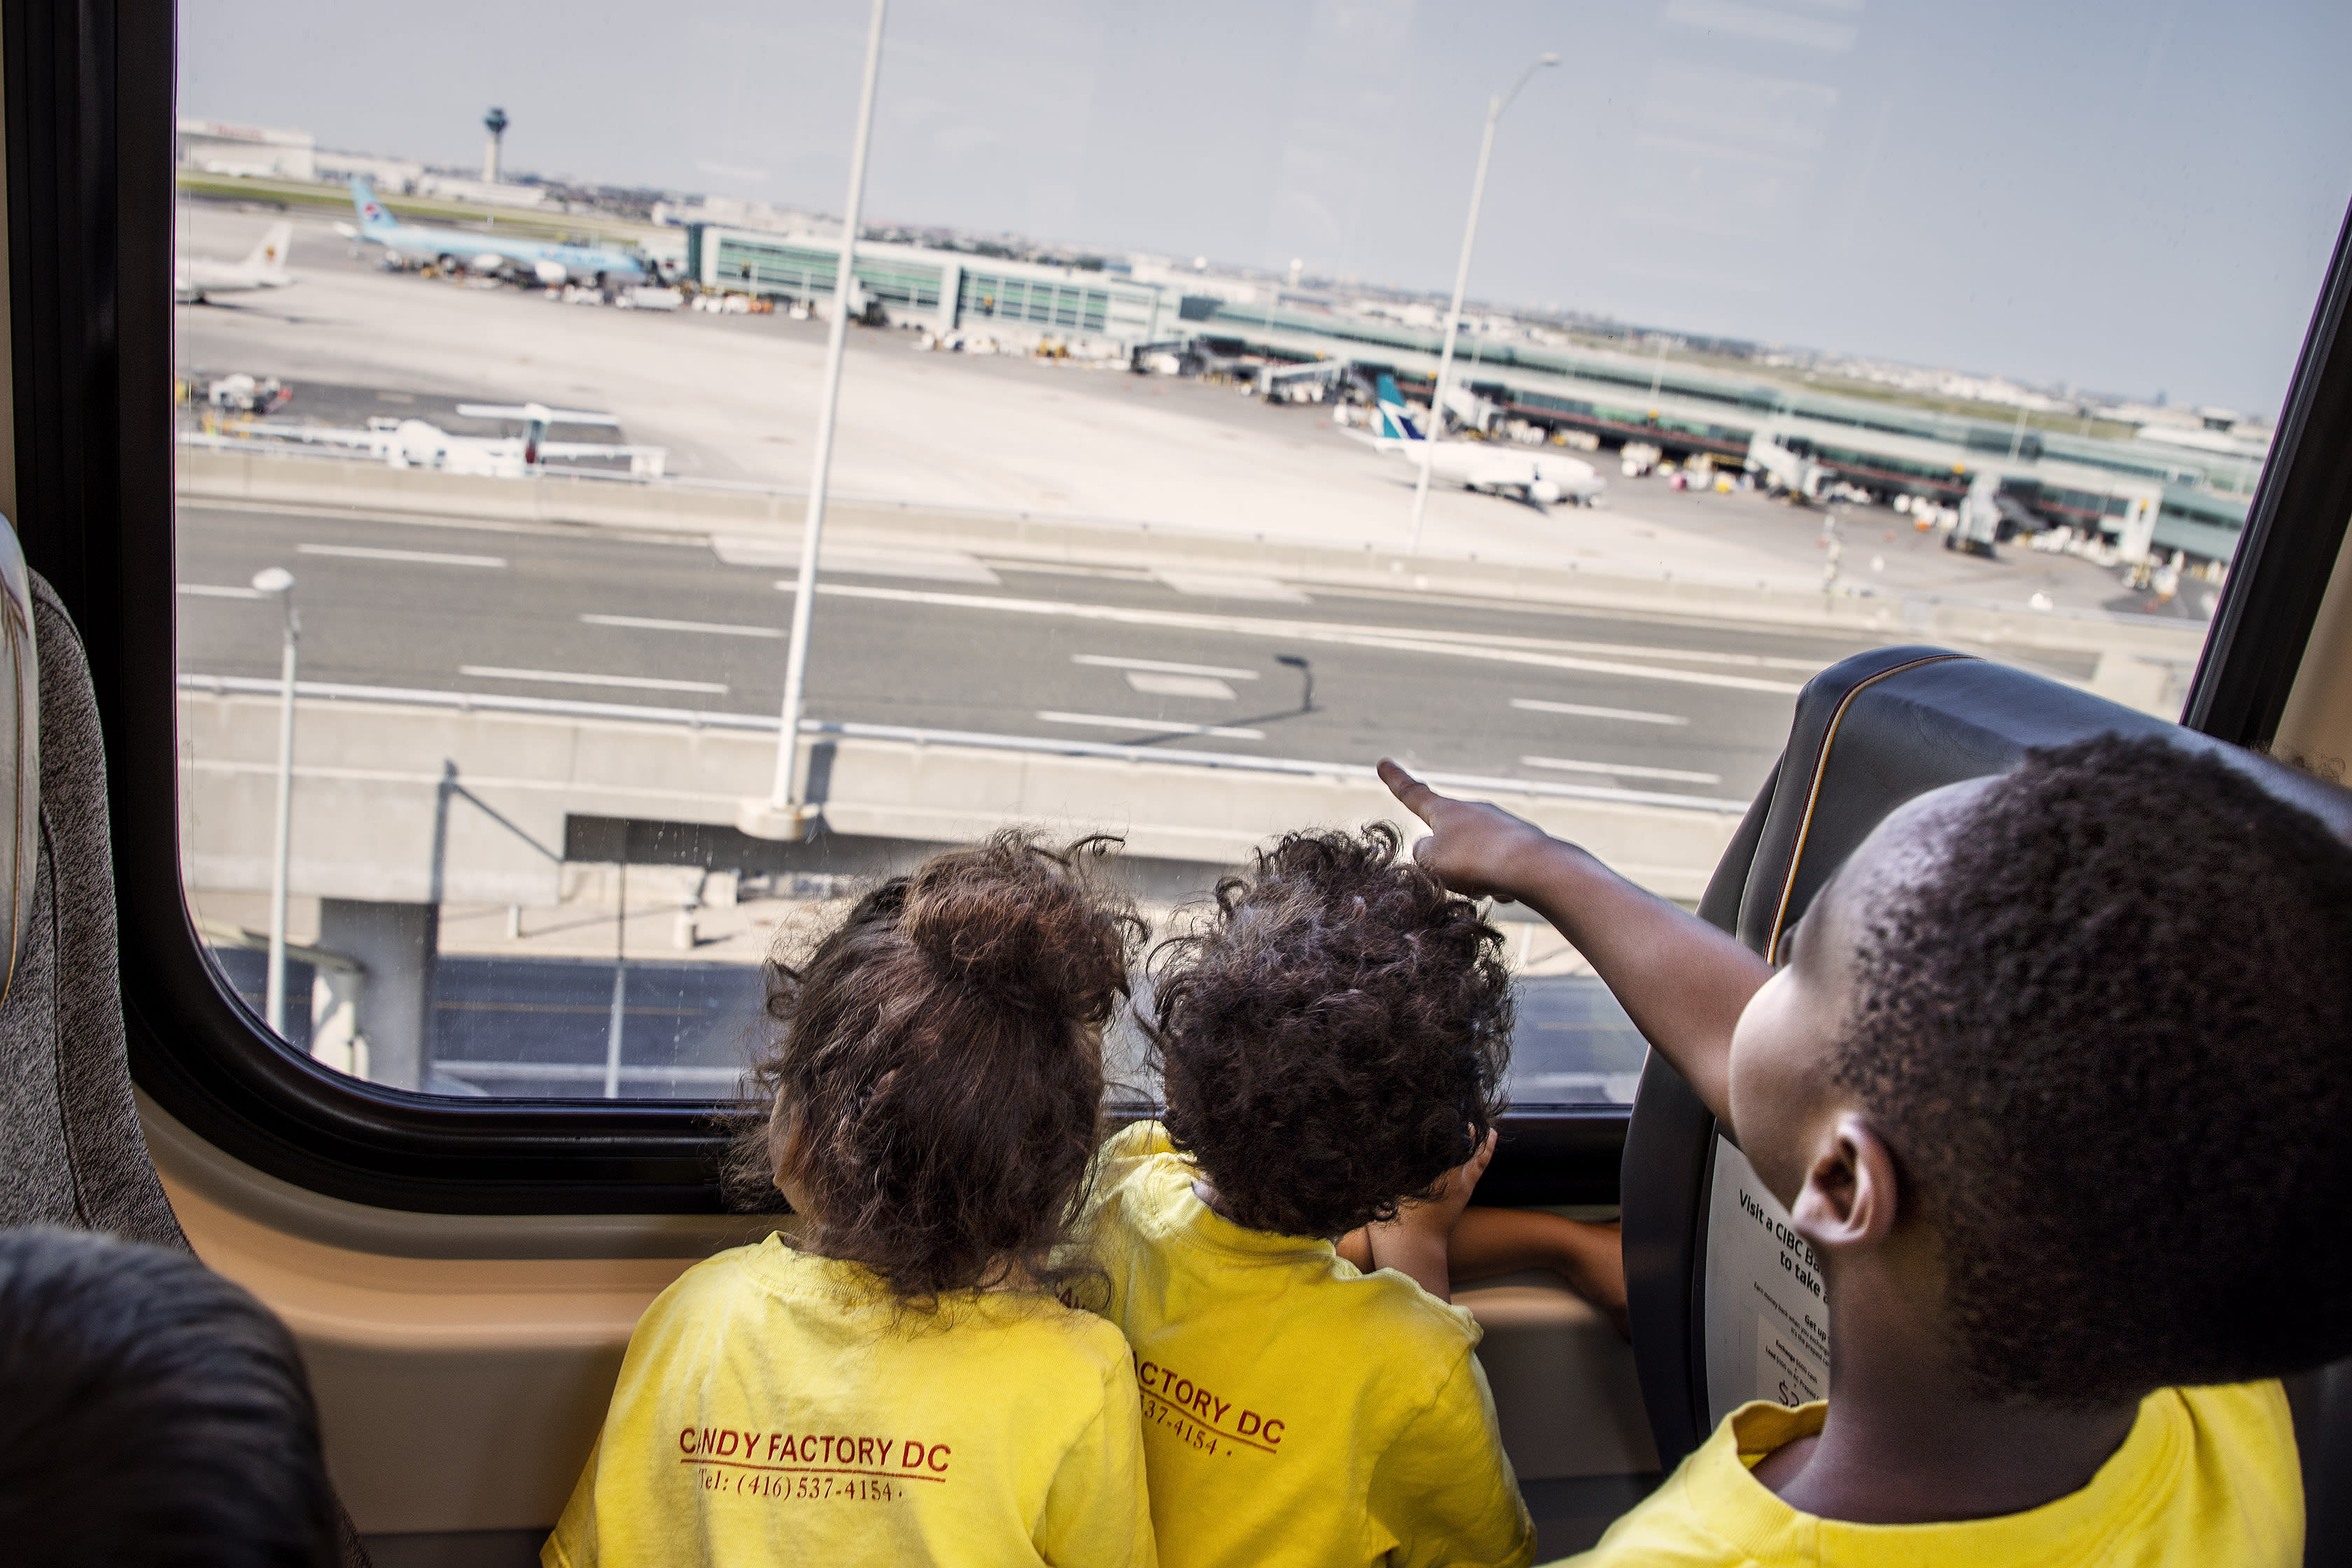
(1157, 685)
(1578, 710)
(414, 557)
(1112, 661)
(571, 678)
(1152, 726)
(653, 624)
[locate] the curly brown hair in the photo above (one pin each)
(1333, 1035)
(2107, 1036)
(934, 1067)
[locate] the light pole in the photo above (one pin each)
(1495, 107)
(276, 582)
(785, 814)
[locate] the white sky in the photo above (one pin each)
(2127, 195)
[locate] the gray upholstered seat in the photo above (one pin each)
(71, 1151)
(75, 1155)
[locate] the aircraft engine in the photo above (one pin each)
(488, 261)
(1543, 490)
(554, 274)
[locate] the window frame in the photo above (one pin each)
(2295, 530)
(90, 91)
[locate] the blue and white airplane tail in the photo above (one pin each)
(1392, 423)
(372, 212)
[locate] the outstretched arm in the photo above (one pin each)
(1416, 1243)
(1487, 1242)
(1586, 1257)
(1683, 982)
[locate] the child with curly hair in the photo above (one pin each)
(898, 1382)
(1333, 1037)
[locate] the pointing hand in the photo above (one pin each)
(1475, 849)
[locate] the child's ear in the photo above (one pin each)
(1851, 1193)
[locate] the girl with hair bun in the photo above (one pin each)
(899, 1382)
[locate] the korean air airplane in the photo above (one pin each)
(549, 262)
(1497, 467)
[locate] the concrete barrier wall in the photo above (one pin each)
(421, 805)
(774, 515)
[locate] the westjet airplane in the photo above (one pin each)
(195, 279)
(1497, 467)
(549, 262)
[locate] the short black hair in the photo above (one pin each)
(1333, 1034)
(2110, 1036)
(150, 1412)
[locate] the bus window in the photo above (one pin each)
(1165, 482)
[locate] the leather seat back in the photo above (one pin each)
(1723, 1310)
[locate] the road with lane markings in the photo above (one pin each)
(1503, 689)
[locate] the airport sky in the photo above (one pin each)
(2127, 195)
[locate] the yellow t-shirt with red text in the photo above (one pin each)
(1296, 1411)
(778, 1408)
(2206, 1477)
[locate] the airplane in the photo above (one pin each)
(545, 260)
(1495, 467)
(195, 279)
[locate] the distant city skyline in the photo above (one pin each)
(2123, 197)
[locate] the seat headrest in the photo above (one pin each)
(1877, 730)
(20, 753)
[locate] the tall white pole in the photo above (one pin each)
(618, 1024)
(786, 797)
(1495, 107)
(278, 583)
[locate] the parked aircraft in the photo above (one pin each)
(195, 279)
(1496, 468)
(545, 260)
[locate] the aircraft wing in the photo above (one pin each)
(318, 434)
(534, 411)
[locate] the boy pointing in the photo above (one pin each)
(2055, 1083)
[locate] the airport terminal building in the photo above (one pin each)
(218, 147)
(947, 290)
(2143, 493)
(2178, 498)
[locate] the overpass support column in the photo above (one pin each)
(396, 945)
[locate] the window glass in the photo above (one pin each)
(1792, 328)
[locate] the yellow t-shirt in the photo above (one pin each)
(775, 1407)
(2207, 1477)
(1296, 1411)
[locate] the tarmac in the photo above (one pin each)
(734, 398)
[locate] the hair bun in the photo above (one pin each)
(1018, 920)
